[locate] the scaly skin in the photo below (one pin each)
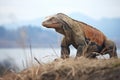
(86, 39)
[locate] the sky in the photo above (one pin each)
(19, 10)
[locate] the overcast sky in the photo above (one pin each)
(18, 10)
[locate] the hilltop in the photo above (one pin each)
(70, 69)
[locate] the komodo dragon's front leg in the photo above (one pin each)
(65, 51)
(80, 45)
(81, 50)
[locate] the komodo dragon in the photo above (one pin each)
(85, 38)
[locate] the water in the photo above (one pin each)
(23, 57)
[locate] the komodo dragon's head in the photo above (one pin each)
(56, 22)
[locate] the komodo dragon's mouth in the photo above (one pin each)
(53, 25)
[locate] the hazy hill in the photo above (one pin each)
(11, 35)
(24, 36)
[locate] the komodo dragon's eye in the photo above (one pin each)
(53, 20)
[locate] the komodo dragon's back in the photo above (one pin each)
(93, 34)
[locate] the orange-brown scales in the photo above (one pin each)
(86, 39)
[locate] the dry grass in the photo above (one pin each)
(70, 69)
